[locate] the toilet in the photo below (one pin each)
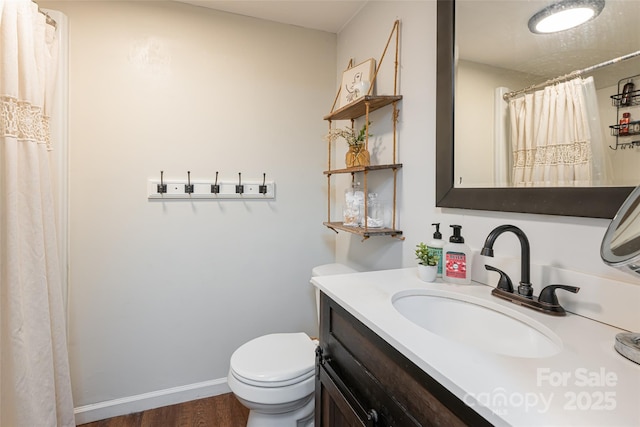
(274, 375)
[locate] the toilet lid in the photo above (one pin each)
(275, 358)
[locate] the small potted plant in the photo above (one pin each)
(427, 263)
(357, 154)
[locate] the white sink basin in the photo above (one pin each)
(477, 323)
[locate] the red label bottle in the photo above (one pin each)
(624, 124)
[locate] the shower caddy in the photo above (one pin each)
(362, 107)
(632, 137)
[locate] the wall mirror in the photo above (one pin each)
(486, 49)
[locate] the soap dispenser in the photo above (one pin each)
(434, 247)
(457, 259)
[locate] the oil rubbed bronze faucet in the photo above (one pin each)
(547, 302)
(525, 289)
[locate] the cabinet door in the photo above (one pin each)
(336, 407)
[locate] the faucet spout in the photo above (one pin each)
(525, 287)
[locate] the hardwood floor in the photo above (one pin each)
(218, 411)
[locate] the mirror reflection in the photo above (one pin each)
(524, 119)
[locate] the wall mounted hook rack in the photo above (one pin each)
(194, 189)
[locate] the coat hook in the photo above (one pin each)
(188, 187)
(262, 189)
(215, 188)
(239, 187)
(162, 187)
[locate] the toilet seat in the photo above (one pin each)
(274, 375)
(275, 360)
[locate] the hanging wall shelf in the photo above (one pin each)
(361, 108)
(358, 108)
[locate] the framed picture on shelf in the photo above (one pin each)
(356, 82)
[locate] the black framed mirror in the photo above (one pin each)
(595, 202)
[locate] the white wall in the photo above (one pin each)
(161, 294)
(475, 134)
(564, 242)
(365, 37)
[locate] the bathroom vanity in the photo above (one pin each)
(362, 380)
(378, 367)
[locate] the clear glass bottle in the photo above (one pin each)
(353, 211)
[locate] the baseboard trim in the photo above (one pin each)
(155, 399)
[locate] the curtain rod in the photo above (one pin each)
(49, 20)
(507, 96)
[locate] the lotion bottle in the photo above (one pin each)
(435, 247)
(457, 259)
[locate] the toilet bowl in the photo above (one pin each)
(274, 375)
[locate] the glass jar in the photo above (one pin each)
(353, 211)
(375, 211)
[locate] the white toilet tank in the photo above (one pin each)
(328, 270)
(331, 269)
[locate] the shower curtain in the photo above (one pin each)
(35, 388)
(552, 139)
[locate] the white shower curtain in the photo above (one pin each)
(551, 137)
(35, 388)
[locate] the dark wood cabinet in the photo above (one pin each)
(363, 381)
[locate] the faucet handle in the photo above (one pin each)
(504, 283)
(548, 294)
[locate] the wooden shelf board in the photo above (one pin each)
(364, 168)
(339, 226)
(358, 108)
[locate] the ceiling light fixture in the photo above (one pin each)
(564, 15)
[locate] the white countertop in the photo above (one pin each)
(586, 384)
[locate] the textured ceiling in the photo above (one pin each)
(492, 32)
(495, 32)
(327, 15)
